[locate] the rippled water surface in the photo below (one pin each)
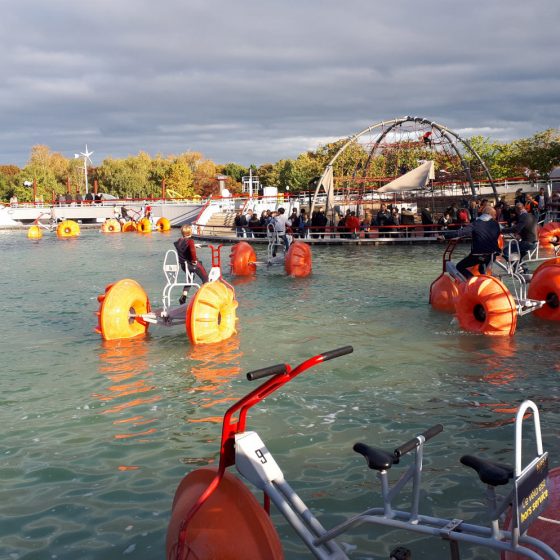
(96, 436)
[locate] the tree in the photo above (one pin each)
(180, 179)
(234, 171)
(538, 154)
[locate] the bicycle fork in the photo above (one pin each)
(255, 463)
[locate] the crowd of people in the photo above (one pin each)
(484, 229)
(391, 221)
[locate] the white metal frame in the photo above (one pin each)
(172, 270)
(256, 464)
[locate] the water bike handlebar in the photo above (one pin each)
(415, 442)
(236, 416)
(284, 368)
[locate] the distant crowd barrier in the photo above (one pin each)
(329, 232)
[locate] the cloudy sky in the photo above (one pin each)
(255, 82)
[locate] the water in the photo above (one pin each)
(96, 436)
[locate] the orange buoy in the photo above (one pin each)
(144, 226)
(129, 226)
(549, 235)
(298, 260)
(111, 226)
(545, 285)
(211, 313)
(545, 527)
(443, 292)
(242, 259)
(484, 305)
(163, 224)
(34, 232)
(230, 525)
(119, 301)
(68, 228)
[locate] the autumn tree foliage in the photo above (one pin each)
(190, 174)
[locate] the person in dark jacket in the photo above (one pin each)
(484, 232)
(525, 230)
(240, 223)
(186, 251)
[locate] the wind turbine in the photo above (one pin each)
(86, 157)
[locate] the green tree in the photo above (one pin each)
(538, 154)
(234, 170)
(49, 169)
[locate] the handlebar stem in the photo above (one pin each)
(230, 426)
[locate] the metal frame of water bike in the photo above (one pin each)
(512, 270)
(167, 315)
(246, 450)
(275, 242)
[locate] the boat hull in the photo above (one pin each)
(177, 213)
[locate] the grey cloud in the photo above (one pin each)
(260, 81)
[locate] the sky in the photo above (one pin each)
(255, 82)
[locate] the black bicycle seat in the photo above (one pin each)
(376, 458)
(494, 474)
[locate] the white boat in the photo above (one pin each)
(177, 212)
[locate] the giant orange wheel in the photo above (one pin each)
(119, 308)
(545, 285)
(484, 305)
(549, 235)
(242, 259)
(111, 225)
(443, 292)
(298, 261)
(68, 228)
(229, 526)
(211, 314)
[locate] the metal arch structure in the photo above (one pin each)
(326, 179)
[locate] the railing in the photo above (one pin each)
(390, 232)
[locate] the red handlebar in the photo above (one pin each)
(282, 374)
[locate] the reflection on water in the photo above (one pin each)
(131, 390)
(213, 366)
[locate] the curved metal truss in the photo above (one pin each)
(385, 150)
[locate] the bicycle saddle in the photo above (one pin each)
(494, 474)
(376, 458)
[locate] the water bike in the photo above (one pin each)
(297, 260)
(490, 302)
(209, 316)
(214, 515)
(64, 228)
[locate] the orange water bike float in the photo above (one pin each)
(163, 224)
(111, 225)
(210, 316)
(549, 235)
(68, 228)
(545, 285)
(144, 226)
(485, 305)
(297, 260)
(129, 226)
(34, 232)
